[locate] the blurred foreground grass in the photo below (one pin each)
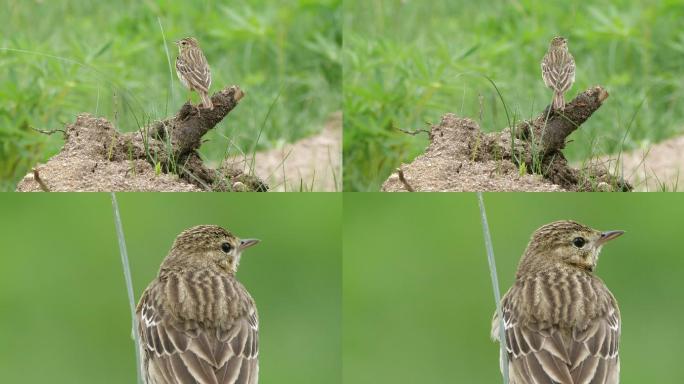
(60, 58)
(406, 62)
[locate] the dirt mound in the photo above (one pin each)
(527, 157)
(312, 164)
(160, 157)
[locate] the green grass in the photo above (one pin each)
(108, 58)
(408, 62)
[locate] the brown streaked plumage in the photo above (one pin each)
(561, 322)
(197, 323)
(558, 70)
(193, 70)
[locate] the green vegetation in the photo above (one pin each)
(407, 62)
(418, 300)
(65, 312)
(109, 58)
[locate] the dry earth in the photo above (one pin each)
(310, 164)
(95, 158)
(526, 157)
(656, 168)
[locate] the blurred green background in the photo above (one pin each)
(407, 62)
(60, 58)
(417, 296)
(65, 314)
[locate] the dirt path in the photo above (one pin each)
(656, 168)
(310, 164)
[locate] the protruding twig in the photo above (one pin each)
(413, 133)
(408, 186)
(40, 181)
(62, 131)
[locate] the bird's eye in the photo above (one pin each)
(579, 242)
(226, 247)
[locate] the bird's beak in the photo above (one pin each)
(607, 236)
(246, 243)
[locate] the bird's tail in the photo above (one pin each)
(558, 101)
(206, 100)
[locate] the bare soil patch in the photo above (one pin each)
(311, 164)
(159, 157)
(656, 168)
(526, 157)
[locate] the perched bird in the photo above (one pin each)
(558, 70)
(561, 323)
(197, 323)
(193, 70)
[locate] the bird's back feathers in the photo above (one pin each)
(561, 327)
(198, 327)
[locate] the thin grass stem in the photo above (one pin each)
(129, 282)
(168, 59)
(495, 285)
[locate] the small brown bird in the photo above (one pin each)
(558, 70)
(193, 70)
(561, 322)
(197, 323)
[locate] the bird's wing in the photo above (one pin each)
(546, 71)
(560, 76)
(196, 70)
(190, 354)
(542, 354)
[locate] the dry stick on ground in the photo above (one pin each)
(186, 130)
(461, 157)
(191, 123)
(41, 183)
(97, 157)
(547, 135)
(561, 124)
(408, 186)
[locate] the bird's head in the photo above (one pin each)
(568, 243)
(187, 43)
(207, 246)
(559, 42)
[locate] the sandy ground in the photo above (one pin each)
(656, 168)
(460, 158)
(96, 157)
(310, 164)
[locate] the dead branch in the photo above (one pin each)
(551, 128)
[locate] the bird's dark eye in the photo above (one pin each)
(226, 247)
(579, 242)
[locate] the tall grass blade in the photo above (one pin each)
(129, 282)
(168, 59)
(495, 285)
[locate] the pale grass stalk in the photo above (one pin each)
(495, 285)
(129, 282)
